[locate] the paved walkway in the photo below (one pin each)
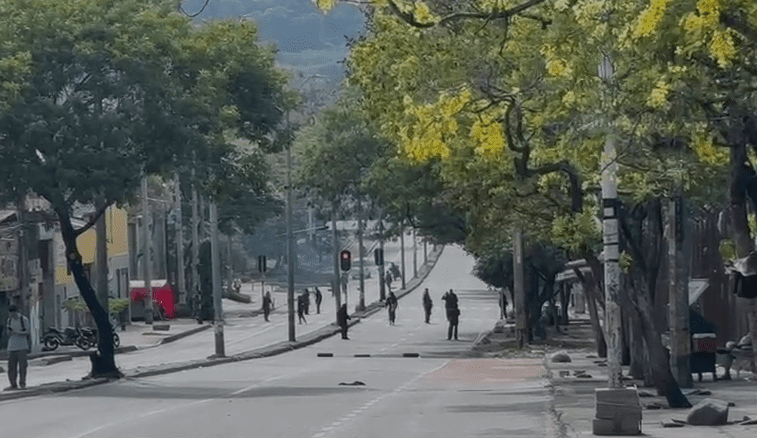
(574, 402)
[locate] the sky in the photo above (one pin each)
(308, 40)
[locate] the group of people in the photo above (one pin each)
(303, 304)
(450, 306)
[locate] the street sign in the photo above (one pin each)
(378, 255)
(261, 263)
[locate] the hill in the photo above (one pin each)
(308, 41)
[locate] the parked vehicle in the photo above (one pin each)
(54, 337)
(91, 334)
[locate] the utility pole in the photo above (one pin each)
(415, 255)
(361, 302)
(337, 288)
(146, 249)
(180, 281)
(611, 238)
(678, 296)
(382, 283)
(402, 252)
(216, 272)
(23, 256)
(290, 241)
(195, 253)
(521, 320)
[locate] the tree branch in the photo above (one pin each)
(93, 219)
(739, 25)
(409, 17)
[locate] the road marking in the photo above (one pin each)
(171, 408)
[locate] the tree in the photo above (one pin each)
(518, 114)
(102, 93)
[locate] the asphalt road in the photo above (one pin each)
(298, 394)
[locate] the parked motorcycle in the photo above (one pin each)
(91, 334)
(53, 337)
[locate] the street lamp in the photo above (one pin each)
(290, 239)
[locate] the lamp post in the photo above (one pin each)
(290, 239)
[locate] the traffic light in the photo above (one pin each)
(346, 259)
(378, 256)
(261, 263)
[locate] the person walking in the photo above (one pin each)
(388, 281)
(341, 319)
(18, 346)
(267, 305)
(427, 305)
(392, 304)
(453, 313)
(301, 309)
(307, 301)
(502, 304)
(318, 300)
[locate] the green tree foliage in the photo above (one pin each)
(506, 93)
(336, 152)
(100, 93)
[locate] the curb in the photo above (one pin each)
(190, 332)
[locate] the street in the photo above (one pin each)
(298, 394)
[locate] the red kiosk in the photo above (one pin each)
(162, 297)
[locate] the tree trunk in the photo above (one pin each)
(599, 336)
(658, 358)
(739, 227)
(103, 362)
(636, 347)
(589, 283)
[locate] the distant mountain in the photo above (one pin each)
(308, 40)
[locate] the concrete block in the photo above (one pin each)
(161, 327)
(602, 426)
(612, 410)
(626, 396)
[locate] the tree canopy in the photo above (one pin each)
(97, 94)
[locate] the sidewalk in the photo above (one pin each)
(58, 375)
(572, 386)
(574, 401)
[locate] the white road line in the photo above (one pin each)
(170, 408)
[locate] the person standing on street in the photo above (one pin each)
(392, 304)
(388, 281)
(341, 319)
(301, 309)
(267, 305)
(18, 347)
(427, 305)
(318, 300)
(306, 296)
(453, 313)
(502, 304)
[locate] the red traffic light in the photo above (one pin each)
(346, 259)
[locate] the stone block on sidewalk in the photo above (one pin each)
(708, 412)
(161, 327)
(618, 412)
(561, 357)
(623, 426)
